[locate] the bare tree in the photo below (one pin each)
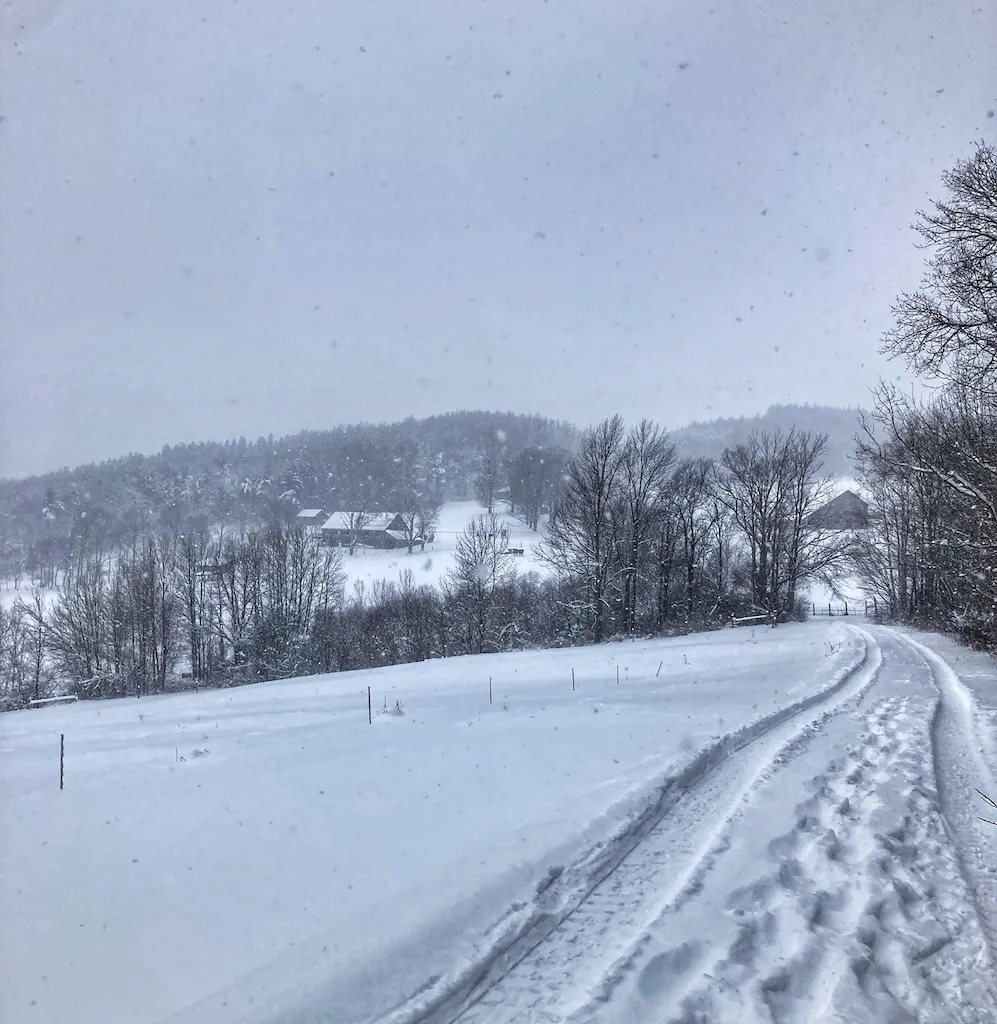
(535, 480)
(481, 569)
(721, 558)
(580, 541)
(195, 592)
(13, 641)
(933, 549)
(427, 519)
(690, 494)
(772, 485)
(410, 527)
(144, 615)
(356, 523)
(419, 518)
(811, 551)
(753, 486)
(489, 476)
(298, 578)
(167, 608)
(886, 558)
(644, 468)
(664, 546)
(12, 548)
(236, 574)
(947, 329)
(78, 626)
(35, 616)
(933, 471)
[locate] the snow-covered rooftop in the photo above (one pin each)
(373, 521)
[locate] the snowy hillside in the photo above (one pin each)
(579, 846)
(431, 565)
(371, 564)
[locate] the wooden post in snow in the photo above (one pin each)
(62, 760)
(370, 714)
(489, 689)
(572, 680)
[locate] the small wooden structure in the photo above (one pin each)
(310, 517)
(41, 702)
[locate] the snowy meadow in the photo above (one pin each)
(236, 854)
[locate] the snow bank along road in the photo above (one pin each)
(826, 864)
(752, 825)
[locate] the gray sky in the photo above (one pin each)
(250, 216)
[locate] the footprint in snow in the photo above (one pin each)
(662, 971)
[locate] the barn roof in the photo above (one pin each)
(378, 521)
(846, 511)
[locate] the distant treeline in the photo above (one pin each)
(45, 521)
(840, 425)
(636, 542)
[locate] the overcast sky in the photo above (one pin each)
(253, 216)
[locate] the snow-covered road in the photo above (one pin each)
(743, 826)
(831, 866)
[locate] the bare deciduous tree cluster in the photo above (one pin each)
(638, 543)
(931, 463)
(229, 606)
(646, 543)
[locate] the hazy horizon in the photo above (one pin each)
(266, 220)
(253, 438)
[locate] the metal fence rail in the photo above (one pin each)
(846, 608)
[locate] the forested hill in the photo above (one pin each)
(366, 465)
(709, 439)
(376, 466)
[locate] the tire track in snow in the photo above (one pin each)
(848, 923)
(581, 917)
(960, 769)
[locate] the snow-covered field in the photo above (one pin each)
(846, 591)
(10, 595)
(371, 564)
(430, 566)
(752, 825)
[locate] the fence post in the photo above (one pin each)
(572, 680)
(62, 759)
(489, 689)
(370, 716)
(829, 612)
(846, 608)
